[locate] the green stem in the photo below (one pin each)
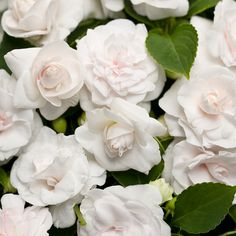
(160, 145)
(78, 213)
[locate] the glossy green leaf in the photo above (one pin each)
(202, 207)
(175, 51)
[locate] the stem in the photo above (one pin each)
(78, 213)
(160, 144)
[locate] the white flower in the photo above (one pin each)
(222, 36)
(113, 8)
(217, 42)
(52, 170)
(122, 137)
(48, 78)
(45, 21)
(159, 9)
(117, 64)
(165, 189)
(204, 108)
(186, 165)
(16, 125)
(15, 220)
(122, 211)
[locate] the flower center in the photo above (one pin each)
(52, 181)
(52, 76)
(118, 140)
(215, 102)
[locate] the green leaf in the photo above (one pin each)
(9, 43)
(156, 171)
(176, 51)
(198, 6)
(232, 213)
(132, 177)
(202, 207)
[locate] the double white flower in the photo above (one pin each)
(15, 220)
(46, 21)
(121, 137)
(117, 64)
(129, 211)
(186, 165)
(48, 78)
(54, 170)
(203, 109)
(17, 126)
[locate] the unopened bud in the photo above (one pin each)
(165, 189)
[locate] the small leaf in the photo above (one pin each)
(132, 177)
(202, 207)
(198, 6)
(176, 51)
(156, 171)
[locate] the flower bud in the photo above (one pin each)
(59, 125)
(165, 189)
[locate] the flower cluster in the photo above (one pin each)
(201, 112)
(87, 99)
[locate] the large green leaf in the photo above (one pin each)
(175, 51)
(132, 177)
(202, 207)
(198, 6)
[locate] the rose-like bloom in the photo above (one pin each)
(113, 8)
(122, 137)
(122, 211)
(186, 165)
(15, 220)
(117, 64)
(48, 78)
(204, 108)
(54, 170)
(222, 35)
(217, 42)
(159, 9)
(16, 125)
(45, 21)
